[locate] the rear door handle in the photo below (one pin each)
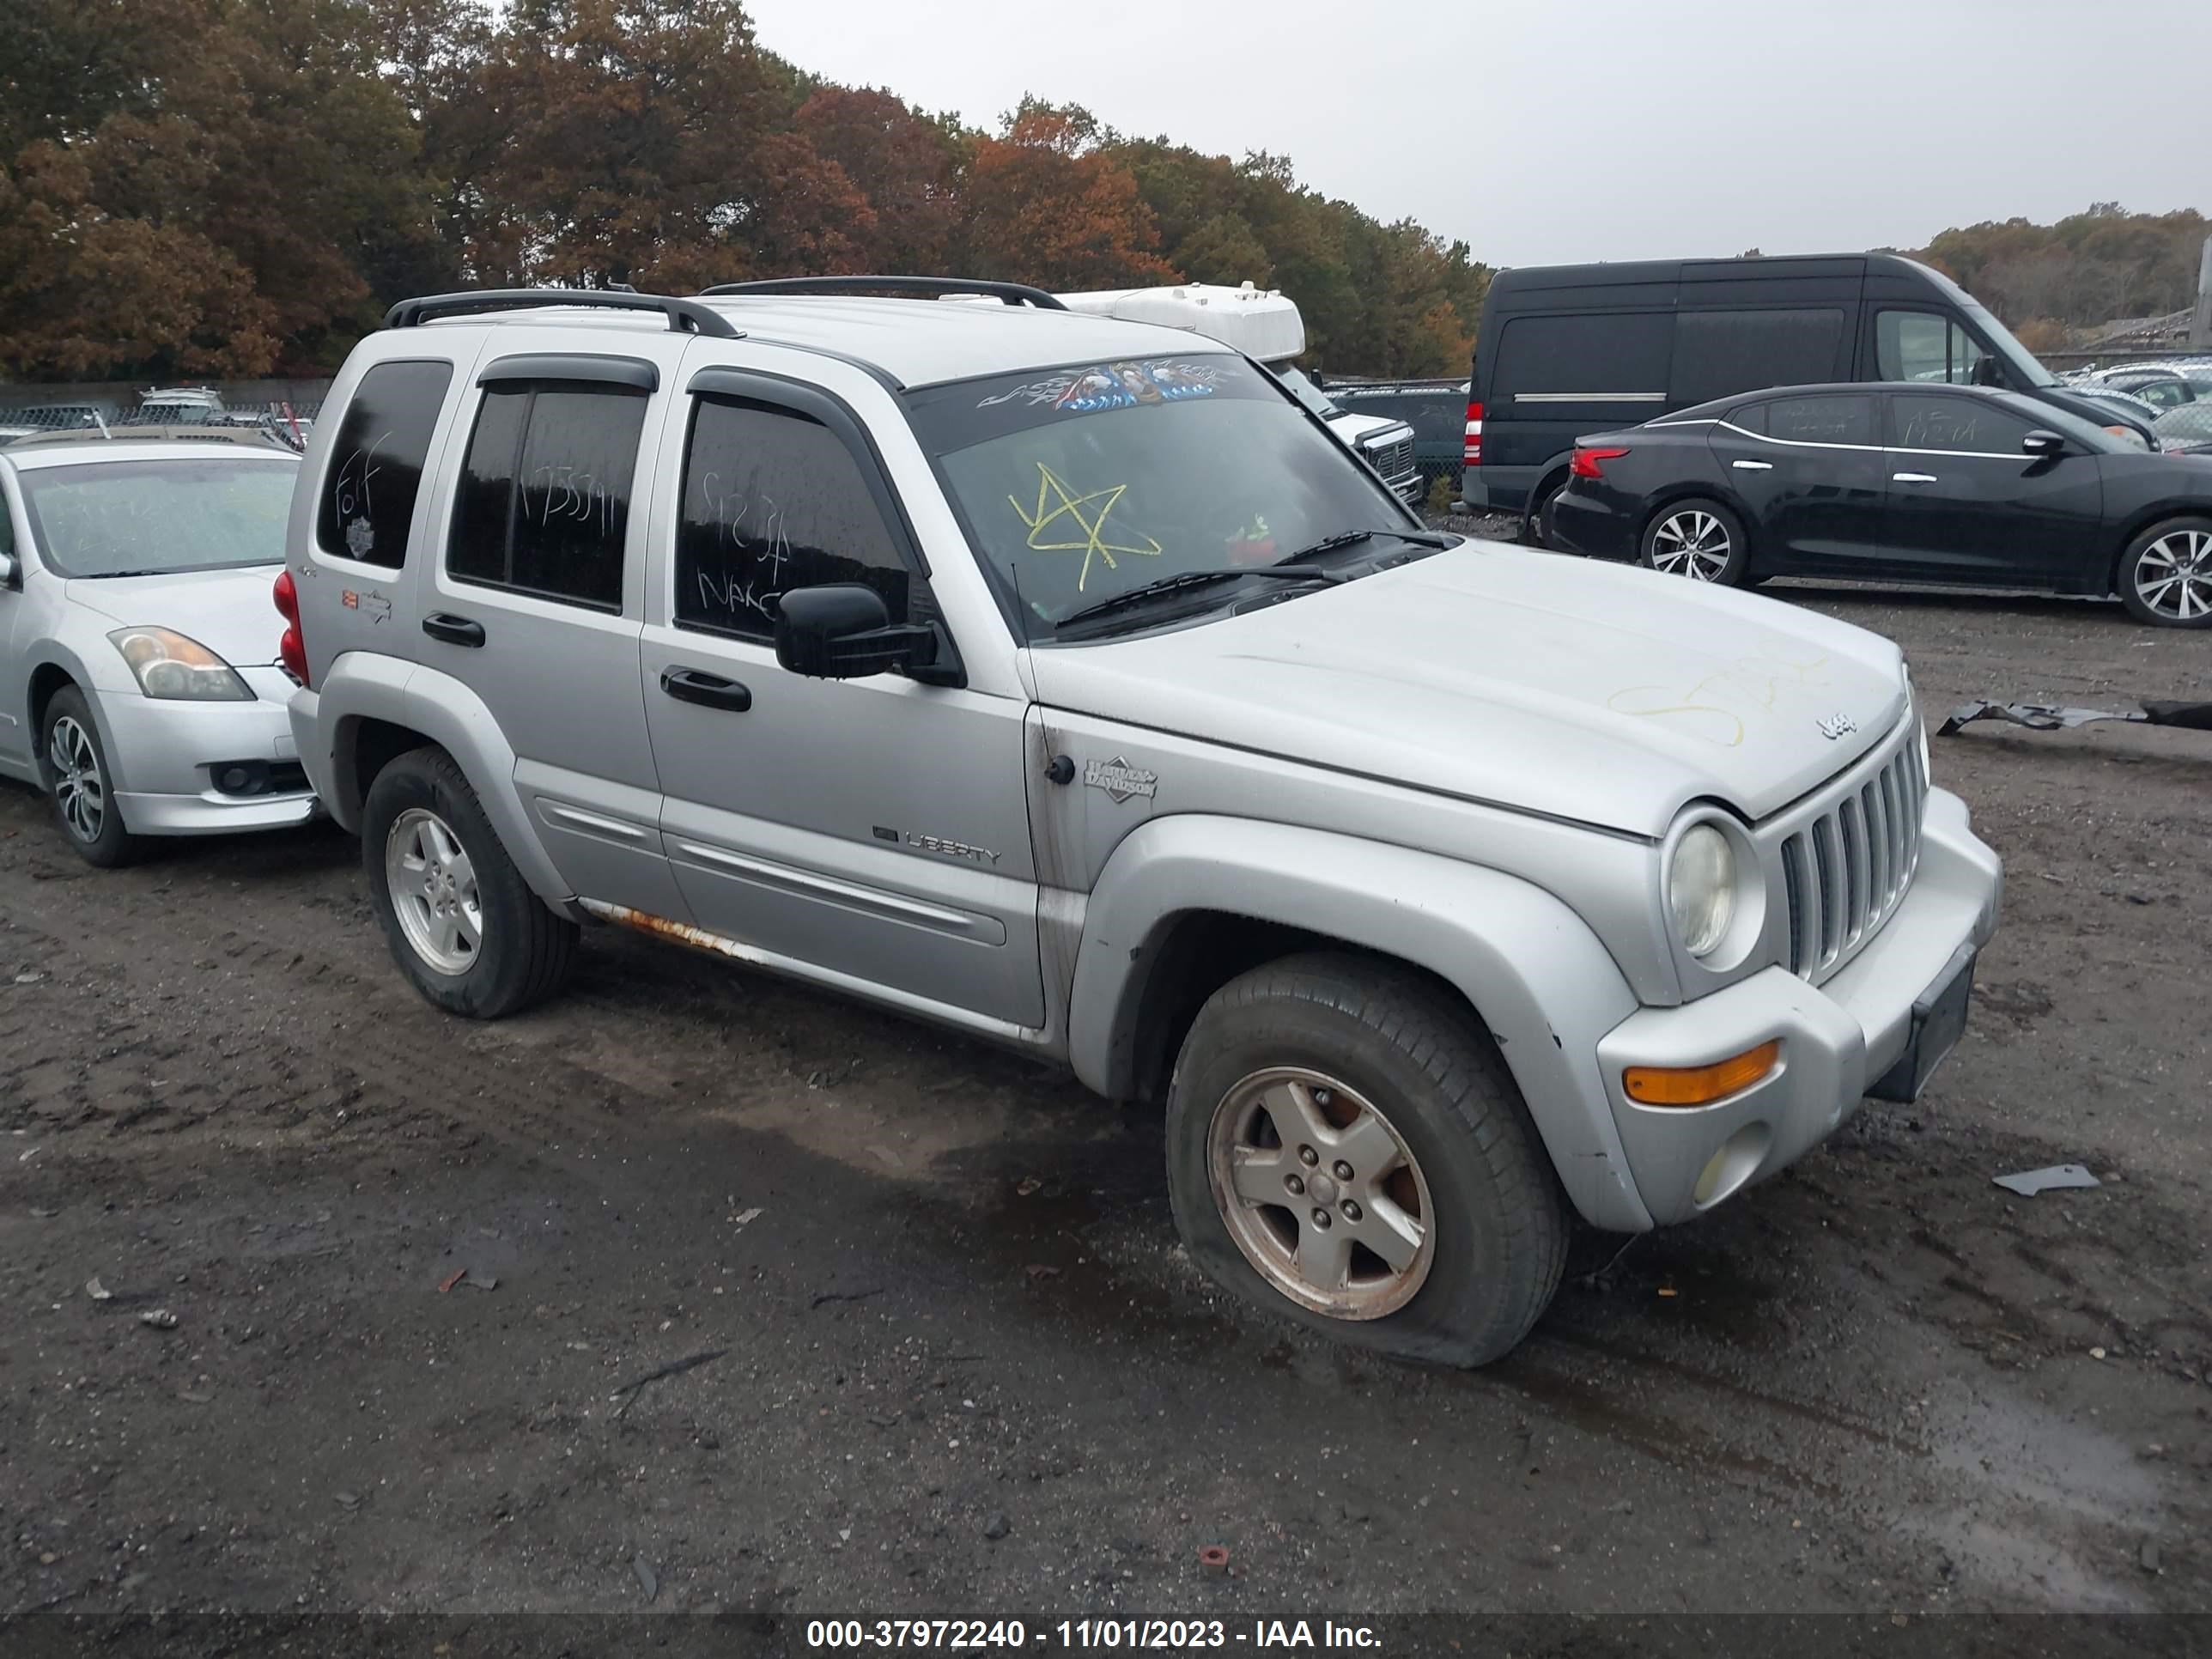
(454, 630)
(1912, 477)
(707, 690)
(1752, 467)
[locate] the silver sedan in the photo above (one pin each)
(139, 683)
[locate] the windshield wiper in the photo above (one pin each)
(1352, 537)
(1146, 591)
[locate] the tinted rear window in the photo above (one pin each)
(1720, 352)
(369, 494)
(1608, 353)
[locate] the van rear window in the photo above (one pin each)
(1595, 358)
(1717, 353)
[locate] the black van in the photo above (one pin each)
(1567, 349)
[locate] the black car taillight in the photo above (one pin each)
(1585, 463)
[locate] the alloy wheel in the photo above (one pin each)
(433, 886)
(80, 790)
(1692, 543)
(1320, 1194)
(2174, 574)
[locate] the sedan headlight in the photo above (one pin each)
(1701, 889)
(170, 666)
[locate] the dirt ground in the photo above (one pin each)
(957, 1362)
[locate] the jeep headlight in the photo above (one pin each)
(171, 667)
(1701, 887)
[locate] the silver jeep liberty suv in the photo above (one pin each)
(1063, 681)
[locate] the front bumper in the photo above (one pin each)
(167, 757)
(1840, 1040)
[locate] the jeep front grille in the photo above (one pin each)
(1845, 870)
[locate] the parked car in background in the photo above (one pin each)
(1435, 410)
(2162, 388)
(1567, 349)
(138, 686)
(2187, 431)
(1903, 481)
(1081, 692)
(1267, 326)
(2123, 414)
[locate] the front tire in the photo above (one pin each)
(83, 783)
(1345, 1149)
(1697, 539)
(1533, 531)
(2165, 575)
(461, 923)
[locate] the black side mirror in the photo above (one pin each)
(2043, 445)
(1987, 371)
(842, 631)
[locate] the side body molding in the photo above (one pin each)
(1540, 979)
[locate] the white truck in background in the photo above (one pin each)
(1264, 323)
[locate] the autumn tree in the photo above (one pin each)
(1046, 203)
(194, 201)
(905, 166)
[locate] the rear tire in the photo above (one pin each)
(2165, 575)
(1532, 523)
(1418, 1140)
(1697, 539)
(461, 923)
(74, 764)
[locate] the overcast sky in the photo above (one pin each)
(1546, 130)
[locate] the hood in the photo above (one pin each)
(229, 612)
(1604, 694)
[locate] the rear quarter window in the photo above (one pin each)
(367, 499)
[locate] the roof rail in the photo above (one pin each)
(1014, 293)
(681, 314)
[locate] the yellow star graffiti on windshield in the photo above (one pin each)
(1070, 507)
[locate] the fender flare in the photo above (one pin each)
(52, 653)
(1537, 977)
(364, 685)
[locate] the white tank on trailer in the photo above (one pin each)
(1260, 322)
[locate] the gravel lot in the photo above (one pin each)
(959, 1363)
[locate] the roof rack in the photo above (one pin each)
(1014, 293)
(681, 314)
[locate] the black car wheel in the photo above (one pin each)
(2166, 574)
(1699, 539)
(1535, 530)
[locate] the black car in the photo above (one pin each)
(1897, 482)
(1563, 350)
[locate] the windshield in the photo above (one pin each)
(1081, 484)
(140, 518)
(1305, 391)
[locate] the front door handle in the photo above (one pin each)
(707, 690)
(1912, 477)
(454, 630)
(1752, 467)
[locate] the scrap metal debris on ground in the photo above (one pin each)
(2028, 1183)
(2051, 717)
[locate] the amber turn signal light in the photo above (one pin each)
(1700, 1085)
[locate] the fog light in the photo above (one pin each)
(1736, 1162)
(1701, 1086)
(233, 779)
